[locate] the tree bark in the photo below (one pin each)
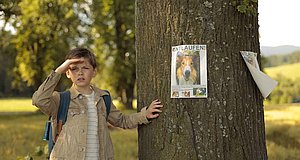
(229, 124)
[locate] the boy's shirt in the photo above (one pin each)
(71, 143)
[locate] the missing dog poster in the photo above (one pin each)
(189, 71)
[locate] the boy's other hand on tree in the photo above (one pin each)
(154, 109)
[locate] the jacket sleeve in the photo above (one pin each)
(118, 119)
(45, 98)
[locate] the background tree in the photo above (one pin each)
(7, 61)
(229, 124)
(9, 10)
(46, 32)
(113, 32)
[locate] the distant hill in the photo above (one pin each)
(279, 50)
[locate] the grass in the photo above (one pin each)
(282, 131)
(289, 70)
(125, 144)
(16, 105)
(21, 134)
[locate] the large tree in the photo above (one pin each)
(229, 124)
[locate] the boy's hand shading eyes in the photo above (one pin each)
(65, 66)
(154, 109)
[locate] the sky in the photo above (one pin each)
(279, 22)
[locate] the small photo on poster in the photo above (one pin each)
(189, 71)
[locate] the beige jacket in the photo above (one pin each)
(71, 142)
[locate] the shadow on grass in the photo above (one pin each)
(14, 115)
(283, 141)
(23, 133)
(281, 135)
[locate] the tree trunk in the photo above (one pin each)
(229, 124)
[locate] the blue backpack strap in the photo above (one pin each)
(61, 117)
(107, 101)
(50, 142)
(63, 106)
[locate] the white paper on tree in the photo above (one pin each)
(189, 71)
(264, 83)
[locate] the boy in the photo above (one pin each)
(85, 134)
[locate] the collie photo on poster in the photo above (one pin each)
(188, 68)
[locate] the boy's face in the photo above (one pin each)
(81, 73)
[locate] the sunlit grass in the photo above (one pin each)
(16, 105)
(282, 131)
(283, 114)
(25, 105)
(289, 70)
(21, 135)
(17, 131)
(125, 144)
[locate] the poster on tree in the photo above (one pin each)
(189, 71)
(264, 83)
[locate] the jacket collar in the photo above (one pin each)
(98, 92)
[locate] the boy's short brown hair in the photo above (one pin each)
(82, 52)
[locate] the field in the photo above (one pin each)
(21, 134)
(282, 131)
(21, 131)
(289, 70)
(9, 105)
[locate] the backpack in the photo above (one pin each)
(62, 117)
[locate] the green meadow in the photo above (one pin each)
(16, 105)
(291, 71)
(22, 127)
(282, 131)
(21, 134)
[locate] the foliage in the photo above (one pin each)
(45, 33)
(9, 10)
(7, 56)
(277, 60)
(288, 88)
(287, 91)
(46, 30)
(114, 39)
(246, 6)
